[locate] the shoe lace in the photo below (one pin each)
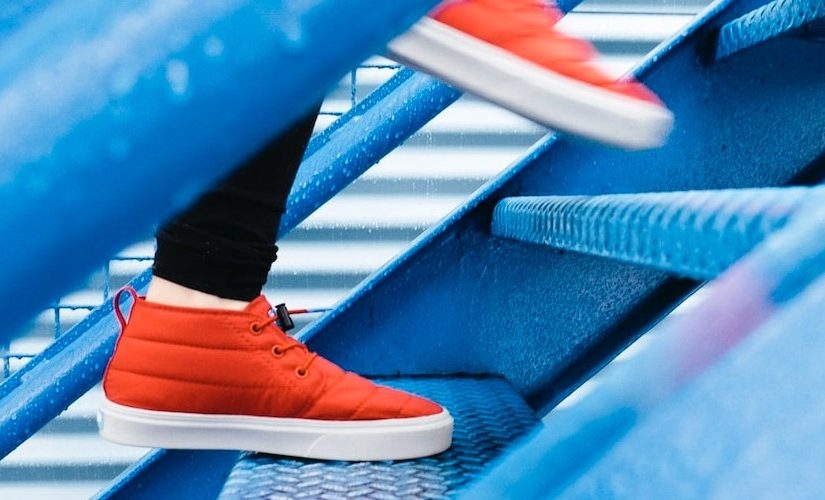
(279, 350)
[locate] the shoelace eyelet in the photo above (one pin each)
(277, 351)
(255, 329)
(300, 373)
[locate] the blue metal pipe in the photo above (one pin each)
(368, 132)
(778, 18)
(15, 13)
(738, 304)
(158, 475)
(696, 234)
(58, 376)
(113, 122)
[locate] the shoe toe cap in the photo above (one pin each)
(391, 403)
(419, 407)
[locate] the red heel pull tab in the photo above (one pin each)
(116, 304)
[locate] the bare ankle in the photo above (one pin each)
(163, 291)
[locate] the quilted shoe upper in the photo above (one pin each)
(239, 363)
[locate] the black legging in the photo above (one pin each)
(225, 243)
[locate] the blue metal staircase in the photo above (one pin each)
(512, 302)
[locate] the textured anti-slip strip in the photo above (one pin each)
(693, 233)
(770, 21)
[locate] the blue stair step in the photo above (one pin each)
(724, 394)
(488, 413)
(696, 234)
(778, 18)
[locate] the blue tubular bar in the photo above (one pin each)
(744, 298)
(159, 474)
(696, 234)
(748, 428)
(116, 121)
(55, 378)
(368, 132)
(770, 21)
(17, 12)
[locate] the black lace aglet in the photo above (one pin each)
(284, 320)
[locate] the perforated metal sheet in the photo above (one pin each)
(488, 415)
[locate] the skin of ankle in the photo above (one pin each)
(165, 292)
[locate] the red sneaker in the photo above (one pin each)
(509, 52)
(214, 379)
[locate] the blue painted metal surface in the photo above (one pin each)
(750, 428)
(15, 13)
(488, 415)
(98, 130)
(778, 18)
(461, 301)
(493, 286)
(55, 378)
(696, 234)
(159, 475)
(738, 305)
(367, 133)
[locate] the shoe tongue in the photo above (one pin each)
(260, 307)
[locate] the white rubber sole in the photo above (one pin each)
(551, 99)
(394, 439)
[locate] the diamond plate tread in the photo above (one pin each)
(769, 21)
(488, 414)
(697, 234)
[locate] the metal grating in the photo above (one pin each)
(488, 415)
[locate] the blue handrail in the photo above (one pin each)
(30, 397)
(115, 121)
